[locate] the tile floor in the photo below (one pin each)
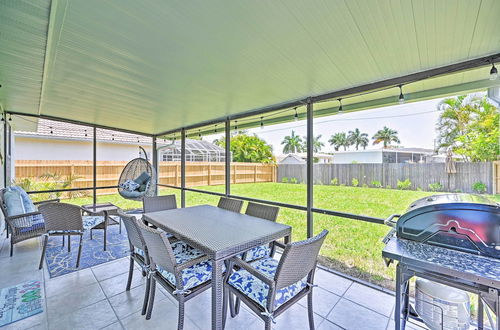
(95, 298)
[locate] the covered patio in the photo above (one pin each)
(166, 74)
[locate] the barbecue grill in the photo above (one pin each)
(452, 239)
(464, 222)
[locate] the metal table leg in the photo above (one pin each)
(217, 290)
(402, 294)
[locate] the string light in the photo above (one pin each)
(340, 105)
(235, 125)
(3, 115)
(401, 98)
(10, 117)
(493, 71)
(112, 137)
(296, 116)
(215, 128)
(51, 131)
(261, 122)
(85, 132)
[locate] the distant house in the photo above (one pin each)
(379, 156)
(301, 157)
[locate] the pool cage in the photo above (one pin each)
(196, 151)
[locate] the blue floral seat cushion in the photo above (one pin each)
(90, 221)
(257, 290)
(37, 223)
(192, 276)
(258, 253)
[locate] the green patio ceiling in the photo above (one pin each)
(152, 66)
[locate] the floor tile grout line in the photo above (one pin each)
(107, 300)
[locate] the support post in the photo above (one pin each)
(5, 158)
(183, 168)
(155, 164)
(310, 167)
(227, 169)
(94, 165)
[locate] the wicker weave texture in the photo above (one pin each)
(159, 248)
(298, 260)
(61, 216)
(262, 211)
(159, 203)
(133, 232)
(230, 204)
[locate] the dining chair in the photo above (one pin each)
(230, 204)
(266, 212)
(159, 203)
(62, 219)
(269, 287)
(138, 253)
(180, 269)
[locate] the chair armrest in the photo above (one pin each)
(246, 266)
(47, 201)
(18, 216)
(191, 262)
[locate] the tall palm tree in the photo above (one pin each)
(317, 144)
(386, 136)
(292, 143)
(358, 139)
(338, 140)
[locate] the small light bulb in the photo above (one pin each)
(235, 125)
(401, 98)
(261, 122)
(296, 116)
(340, 106)
(493, 72)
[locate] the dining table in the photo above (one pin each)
(220, 234)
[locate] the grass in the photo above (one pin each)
(353, 247)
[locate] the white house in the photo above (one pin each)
(379, 156)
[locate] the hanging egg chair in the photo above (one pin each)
(137, 179)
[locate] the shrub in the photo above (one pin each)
(342, 185)
(388, 186)
(334, 181)
(435, 186)
(365, 185)
(355, 182)
(458, 190)
(377, 184)
(293, 180)
(479, 187)
(404, 185)
(419, 189)
(284, 179)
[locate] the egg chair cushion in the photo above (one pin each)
(132, 194)
(130, 185)
(143, 178)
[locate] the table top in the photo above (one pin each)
(475, 268)
(100, 207)
(217, 232)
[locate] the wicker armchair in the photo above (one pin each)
(23, 226)
(269, 287)
(138, 253)
(230, 204)
(62, 219)
(182, 270)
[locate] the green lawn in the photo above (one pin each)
(353, 247)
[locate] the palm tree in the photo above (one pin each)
(386, 135)
(292, 144)
(358, 139)
(338, 140)
(317, 144)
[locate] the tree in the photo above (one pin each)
(358, 139)
(248, 148)
(317, 144)
(338, 140)
(469, 126)
(292, 143)
(386, 136)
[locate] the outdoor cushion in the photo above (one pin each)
(132, 194)
(258, 252)
(27, 202)
(34, 227)
(13, 202)
(143, 178)
(257, 290)
(130, 185)
(192, 276)
(90, 221)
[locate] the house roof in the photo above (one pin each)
(157, 66)
(402, 149)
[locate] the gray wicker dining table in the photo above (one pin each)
(220, 234)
